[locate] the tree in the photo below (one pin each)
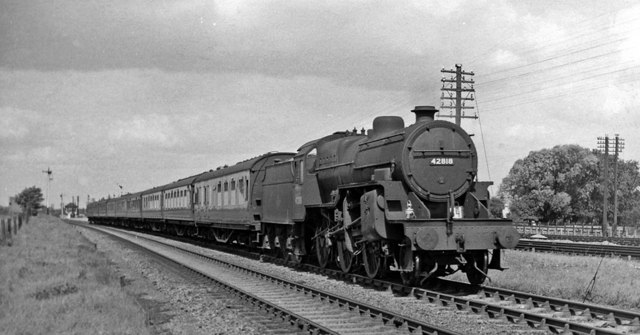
(555, 184)
(564, 183)
(628, 193)
(29, 199)
(496, 206)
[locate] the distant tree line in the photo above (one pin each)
(564, 185)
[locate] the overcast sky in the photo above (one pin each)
(141, 93)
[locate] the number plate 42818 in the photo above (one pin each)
(441, 161)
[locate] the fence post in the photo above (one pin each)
(9, 231)
(19, 221)
(1, 230)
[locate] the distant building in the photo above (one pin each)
(71, 210)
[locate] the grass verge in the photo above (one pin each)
(54, 281)
(617, 281)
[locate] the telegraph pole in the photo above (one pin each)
(451, 93)
(619, 145)
(603, 146)
(49, 179)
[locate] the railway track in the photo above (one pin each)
(306, 309)
(629, 241)
(538, 312)
(580, 248)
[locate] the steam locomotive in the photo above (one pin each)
(398, 198)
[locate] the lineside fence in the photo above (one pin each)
(9, 227)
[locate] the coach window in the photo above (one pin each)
(219, 197)
(226, 192)
(212, 201)
(241, 189)
(234, 193)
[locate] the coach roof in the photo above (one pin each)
(252, 164)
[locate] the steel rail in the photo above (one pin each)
(580, 248)
(537, 320)
(412, 326)
(261, 304)
(617, 316)
(515, 314)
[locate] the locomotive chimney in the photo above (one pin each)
(424, 113)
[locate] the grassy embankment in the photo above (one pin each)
(617, 282)
(54, 281)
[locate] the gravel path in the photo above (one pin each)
(181, 308)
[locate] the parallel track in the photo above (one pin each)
(527, 232)
(630, 241)
(580, 248)
(539, 312)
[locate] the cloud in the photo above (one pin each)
(627, 25)
(503, 57)
(523, 132)
(14, 123)
(356, 43)
(124, 86)
(148, 130)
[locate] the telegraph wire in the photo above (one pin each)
(540, 71)
(484, 143)
(546, 80)
(570, 38)
(552, 97)
(588, 30)
(546, 88)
